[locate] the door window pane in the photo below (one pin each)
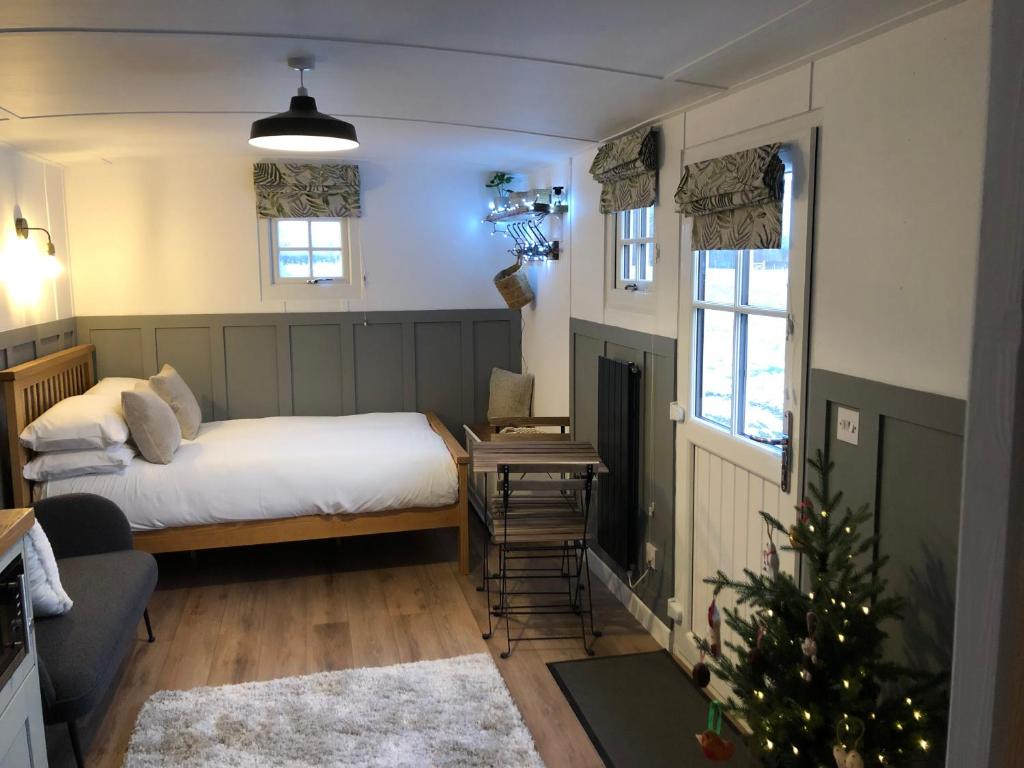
(327, 264)
(764, 388)
(293, 234)
(768, 278)
(716, 328)
(717, 279)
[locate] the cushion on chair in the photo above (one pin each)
(82, 649)
(44, 587)
(511, 394)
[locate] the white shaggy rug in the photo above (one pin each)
(452, 712)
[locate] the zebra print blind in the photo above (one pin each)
(627, 169)
(299, 190)
(735, 200)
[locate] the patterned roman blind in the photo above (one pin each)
(627, 168)
(299, 190)
(735, 201)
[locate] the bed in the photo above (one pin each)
(259, 481)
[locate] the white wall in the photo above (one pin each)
(546, 320)
(34, 190)
(901, 145)
(178, 235)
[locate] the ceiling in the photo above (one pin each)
(485, 83)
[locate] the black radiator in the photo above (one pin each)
(618, 443)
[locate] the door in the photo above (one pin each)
(743, 332)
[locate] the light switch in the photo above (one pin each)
(848, 425)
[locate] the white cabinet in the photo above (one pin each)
(22, 739)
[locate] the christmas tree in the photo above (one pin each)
(810, 677)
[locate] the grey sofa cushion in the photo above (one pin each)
(82, 650)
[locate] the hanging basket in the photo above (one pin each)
(513, 286)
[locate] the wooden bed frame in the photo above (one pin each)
(31, 388)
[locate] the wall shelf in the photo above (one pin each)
(520, 215)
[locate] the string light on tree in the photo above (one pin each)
(808, 671)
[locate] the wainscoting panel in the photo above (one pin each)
(188, 350)
(379, 367)
(439, 371)
(316, 370)
(492, 348)
(118, 351)
(251, 356)
(325, 363)
(906, 467)
(656, 358)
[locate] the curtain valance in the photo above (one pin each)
(299, 190)
(735, 200)
(627, 168)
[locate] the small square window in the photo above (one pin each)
(310, 259)
(635, 252)
(308, 250)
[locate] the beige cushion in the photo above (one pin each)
(153, 425)
(173, 390)
(511, 394)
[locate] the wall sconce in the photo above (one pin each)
(22, 229)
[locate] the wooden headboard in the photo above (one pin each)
(33, 387)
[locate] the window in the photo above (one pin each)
(741, 305)
(634, 249)
(309, 259)
(308, 250)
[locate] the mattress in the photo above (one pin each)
(282, 466)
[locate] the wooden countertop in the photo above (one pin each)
(14, 523)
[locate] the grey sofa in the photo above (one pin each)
(110, 583)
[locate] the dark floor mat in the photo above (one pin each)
(642, 709)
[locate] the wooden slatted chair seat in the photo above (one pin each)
(538, 518)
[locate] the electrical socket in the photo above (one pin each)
(651, 552)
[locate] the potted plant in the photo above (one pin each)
(498, 181)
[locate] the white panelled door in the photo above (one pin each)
(743, 319)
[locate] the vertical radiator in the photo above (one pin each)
(618, 443)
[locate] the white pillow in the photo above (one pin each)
(111, 388)
(44, 587)
(76, 423)
(55, 465)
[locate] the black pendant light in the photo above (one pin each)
(302, 128)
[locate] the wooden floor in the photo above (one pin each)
(258, 613)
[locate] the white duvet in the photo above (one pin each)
(282, 466)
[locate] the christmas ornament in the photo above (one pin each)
(849, 729)
(794, 536)
(701, 674)
(810, 646)
(715, 623)
(770, 556)
(755, 657)
(711, 742)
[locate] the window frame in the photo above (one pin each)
(310, 279)
(618, 282)
(741, 310)
(273, 287)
